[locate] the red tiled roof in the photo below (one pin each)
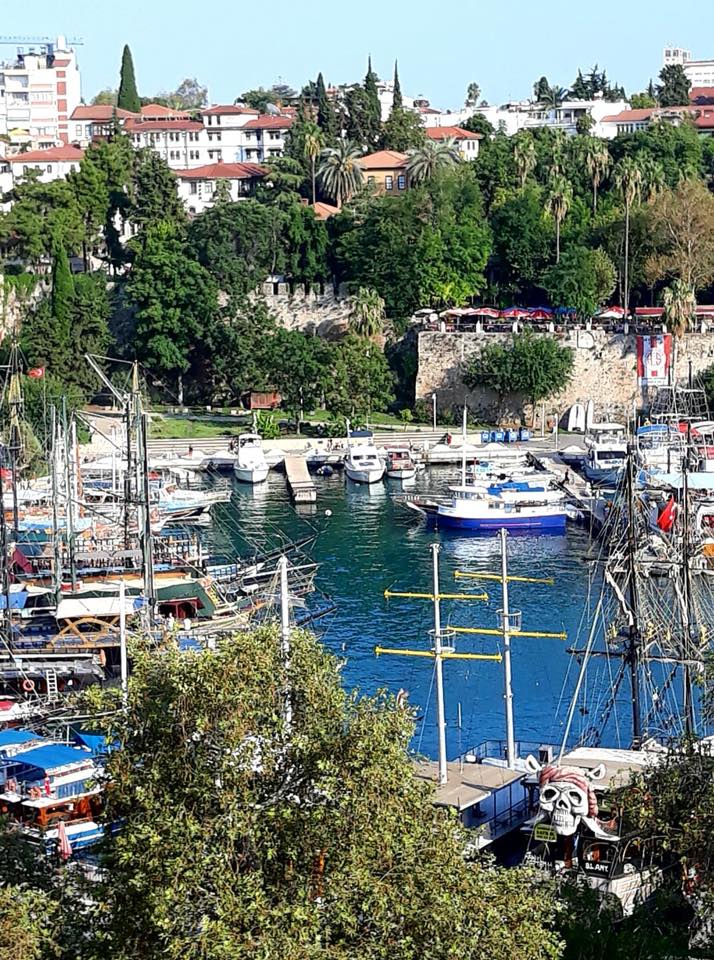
(704, 118)
(51, 155)
(156, 111)
(100, 111)
(135, 125)
(222, 171)
(630, 116)
(228, 109)
(701, 95)
(451, 133)
(267, 122)
(383, 160)
(323, 211)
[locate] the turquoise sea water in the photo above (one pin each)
(371, 543)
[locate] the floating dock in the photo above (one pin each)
(592, 505)
(301, 485)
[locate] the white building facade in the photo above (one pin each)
(700, 73)
(39, 90)
(197, 188)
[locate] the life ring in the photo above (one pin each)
(28, 685)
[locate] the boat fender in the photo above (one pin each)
(28, 685)
(35, 793)
(448, 439)
(11, 785)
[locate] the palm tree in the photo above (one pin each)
(312, 145)
(368, 313)
(628, 180)
(524, 154)
(679, 307)
(473, 92)
(597, 163)
(340, 173)
(552, 97)
(653, 179)
(432, 156)
(557, 204)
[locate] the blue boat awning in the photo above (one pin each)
(50, 756)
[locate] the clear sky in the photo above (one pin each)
(441, 45)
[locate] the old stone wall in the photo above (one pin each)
(605, 371)
(315, 310)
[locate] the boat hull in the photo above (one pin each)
(251, 474)
(604, 476)
(552, 523)
(364, 476)
(407, 474)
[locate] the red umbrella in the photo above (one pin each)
(490, 312)
(515, 313)
(64, 846)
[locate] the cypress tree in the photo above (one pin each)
(397, 102)
(128, 97)
(374, 115)
(326, 118)
(62, 288)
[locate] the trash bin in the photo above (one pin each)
(498, 436)
(485, 436)
(524, 434)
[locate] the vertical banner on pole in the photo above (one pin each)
(654, 359)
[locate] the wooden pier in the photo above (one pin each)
(301, 485)
(591, 504)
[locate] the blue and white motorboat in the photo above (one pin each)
(533, 510)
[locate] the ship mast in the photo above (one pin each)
(634, 640)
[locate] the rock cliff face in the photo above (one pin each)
(605, 371)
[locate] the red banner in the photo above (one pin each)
(654, 358)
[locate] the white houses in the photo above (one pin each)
(467, 142)
(51, 164)
(197, 187)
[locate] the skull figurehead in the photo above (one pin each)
(567, 796)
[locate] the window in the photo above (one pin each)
(389, 183)
(249, 134)
(401, 182)
(49, 168)
(78, 130)
(275, 135)
(218, 122)
(210, 119)
(218, 136)
(193, 154)
(370, 181)
(193, 187)
(208, 186)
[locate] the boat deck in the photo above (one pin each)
(468, 783)
(302, 486)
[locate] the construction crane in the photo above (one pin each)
(12, 41)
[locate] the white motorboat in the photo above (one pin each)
(400, 465)
(219, 460)
(606, 455)
(363, 464)
(447, 452)
(250, 464)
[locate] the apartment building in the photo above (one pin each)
(39, 90)
(700, 73)
(51, 163)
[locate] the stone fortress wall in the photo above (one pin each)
(605, 371)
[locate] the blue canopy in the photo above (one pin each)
(18, 599)
(50, 756)
(10, 737)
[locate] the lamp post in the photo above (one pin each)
(433, 407)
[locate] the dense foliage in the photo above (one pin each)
(245, 836)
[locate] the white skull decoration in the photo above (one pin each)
(567, 797)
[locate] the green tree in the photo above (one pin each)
(553, 97)
(105, 97)
(524, 156)
(340, 173)
(628, 181)
(479, 124)
(583, 280)
(523, 243)
(368, 314)
(326, 116)
(541, 89)
(155, 196)
(257, 99)
(300, 369)
(397, 101)
(432, 156)
(245, 837)
(359, 119)
(679, 304)
(535, 366)
(62, 289)
(681, 222)
(174, 301)
(189, 95)
(305, 243)
(128, 97)
(361, 379)
(673, 90)
(42, 216)
(91, 192)
(239, 244)
(473, 92)
(313, 143)
(597, 162)
(642, 101)
(558, 201)
(403, 131)
(374, 126)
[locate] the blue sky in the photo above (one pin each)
(504, 45)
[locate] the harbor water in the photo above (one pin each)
(368, 542)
